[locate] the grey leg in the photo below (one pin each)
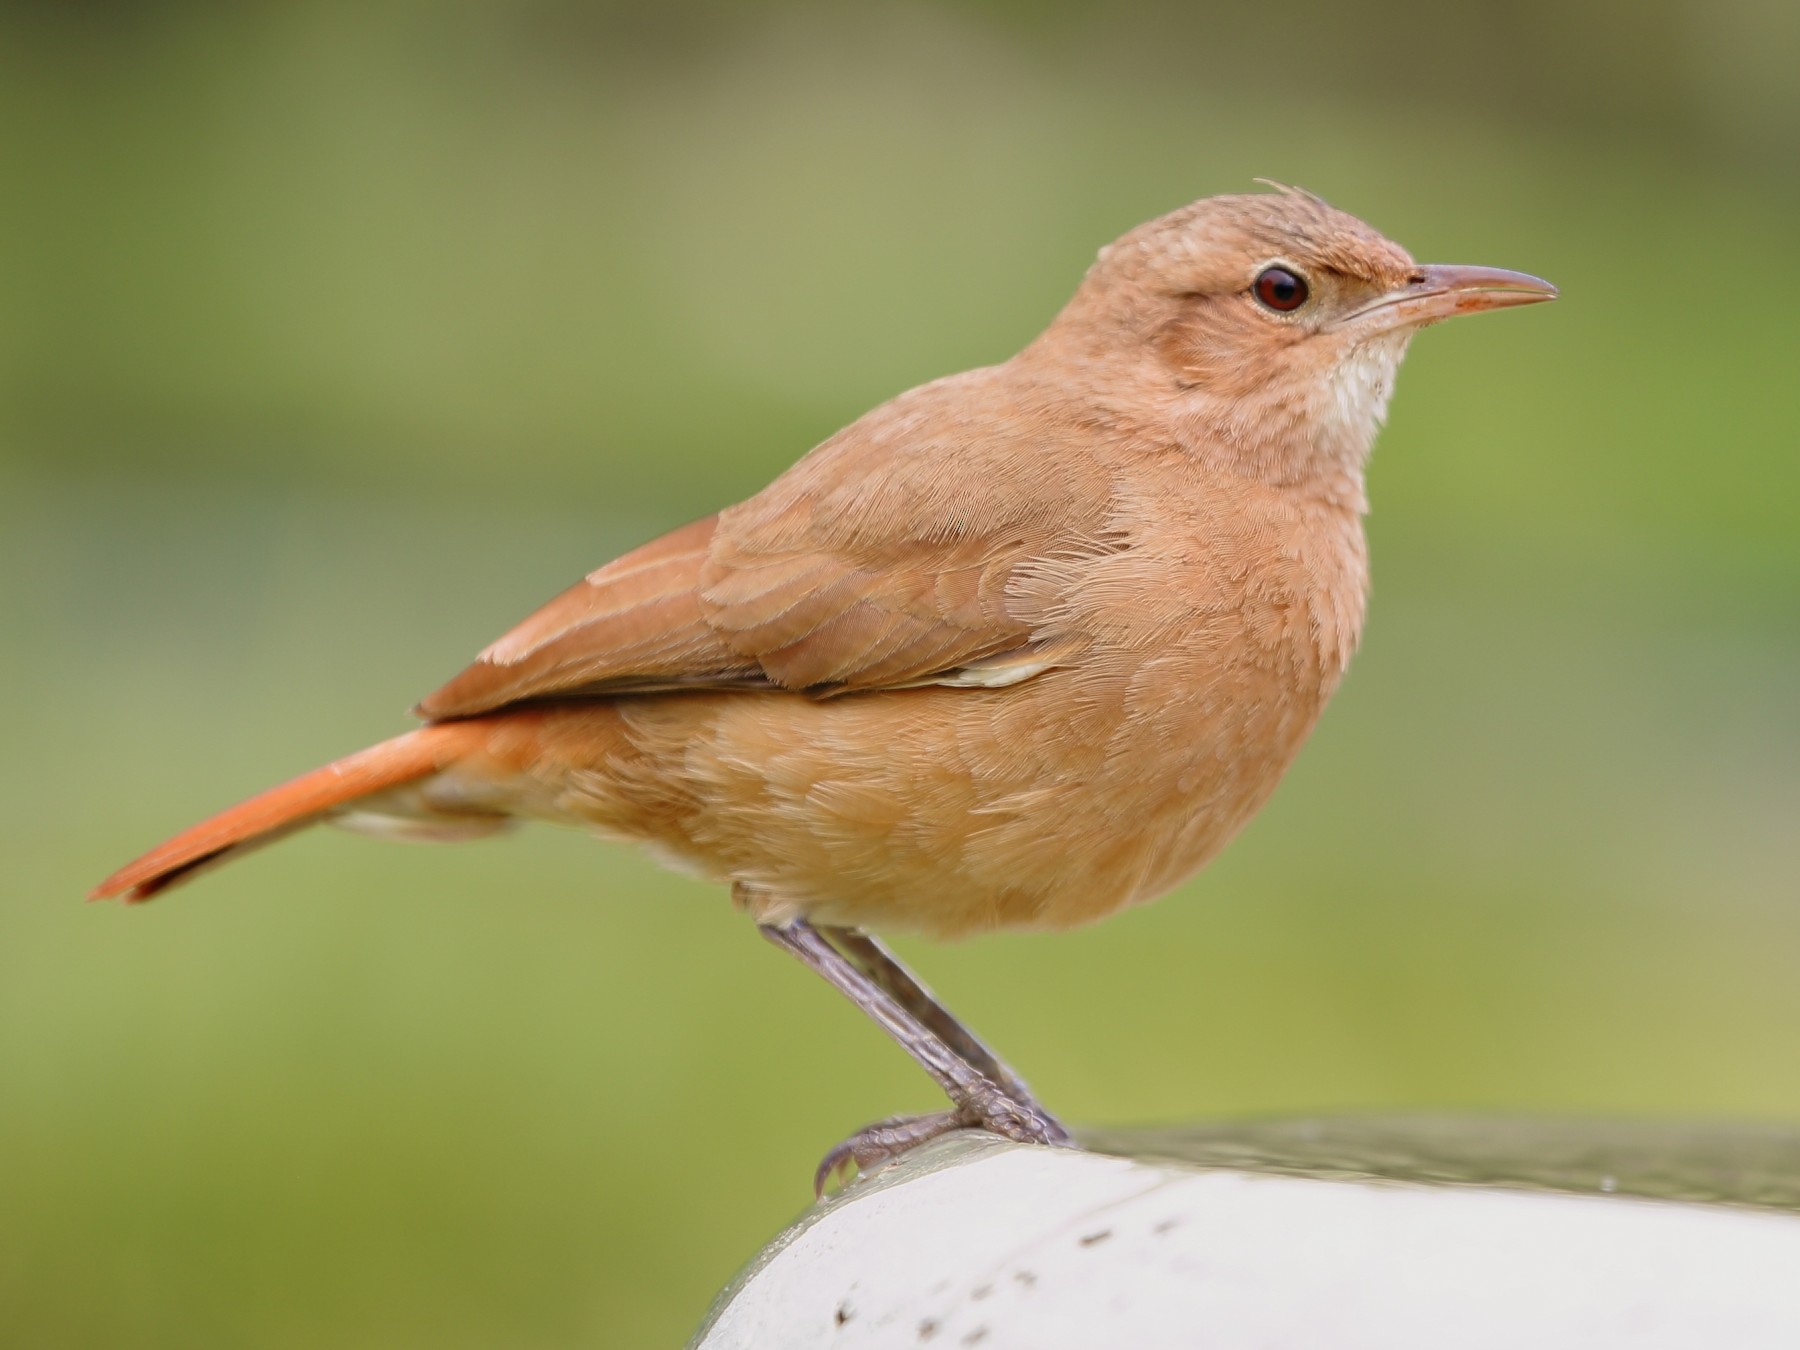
(978, 1102)
(882, 966)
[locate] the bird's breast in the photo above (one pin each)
(1215, 642)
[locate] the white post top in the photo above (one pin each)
(1346, 1234)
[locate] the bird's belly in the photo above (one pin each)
(947, 811)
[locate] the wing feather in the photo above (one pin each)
(909, 549)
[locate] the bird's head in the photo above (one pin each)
(1271, 325)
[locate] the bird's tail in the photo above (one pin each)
(296, 804)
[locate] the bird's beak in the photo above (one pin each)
(1440, 292)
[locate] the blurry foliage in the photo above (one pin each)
(334, 336)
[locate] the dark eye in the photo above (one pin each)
(1280, 289)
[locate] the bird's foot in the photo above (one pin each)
(879, 1143)
(885, 1140)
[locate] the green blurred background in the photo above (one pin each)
(335, 336)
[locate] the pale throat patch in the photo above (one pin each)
(1358, 391)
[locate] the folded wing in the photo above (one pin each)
(881, 560)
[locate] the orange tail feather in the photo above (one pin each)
(293, 805)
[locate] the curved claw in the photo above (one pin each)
(879, 1143)
(885, 1140)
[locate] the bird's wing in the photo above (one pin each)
(634, 624)
(876, 562)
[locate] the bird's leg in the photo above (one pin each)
(978, 1102)
(880, 964)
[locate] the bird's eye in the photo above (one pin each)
(1280, 289)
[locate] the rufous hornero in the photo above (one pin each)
(1014, 650)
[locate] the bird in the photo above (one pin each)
(1017, 649)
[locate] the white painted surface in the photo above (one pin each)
(1013, 1248)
